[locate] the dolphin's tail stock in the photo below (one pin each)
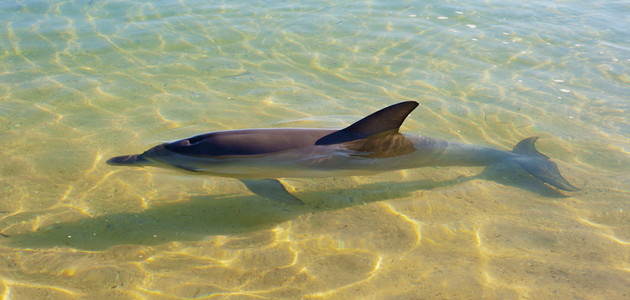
(127, 160)
(539, 164)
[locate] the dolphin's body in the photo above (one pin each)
(369, 146)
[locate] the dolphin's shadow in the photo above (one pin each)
(203, 216)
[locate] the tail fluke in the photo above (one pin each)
(539, 165)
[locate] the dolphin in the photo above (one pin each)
(369, 146)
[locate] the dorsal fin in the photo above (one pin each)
(526, 147)
(387, 119)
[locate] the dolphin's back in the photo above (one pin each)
(263, 141)
(247, 142)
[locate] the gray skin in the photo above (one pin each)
(369, 146)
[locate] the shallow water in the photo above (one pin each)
(81, 81)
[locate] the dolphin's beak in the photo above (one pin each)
(135, 159)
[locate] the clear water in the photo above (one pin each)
(81, 81)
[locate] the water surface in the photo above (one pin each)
(81, 81)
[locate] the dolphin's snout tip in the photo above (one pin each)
(126, 160)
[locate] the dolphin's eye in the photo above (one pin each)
(177, 145)
(195, 139)
(191, 145)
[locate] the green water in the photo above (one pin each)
(82, 81)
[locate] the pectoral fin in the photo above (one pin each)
(271, 189)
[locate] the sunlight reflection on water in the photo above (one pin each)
(84, 81)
